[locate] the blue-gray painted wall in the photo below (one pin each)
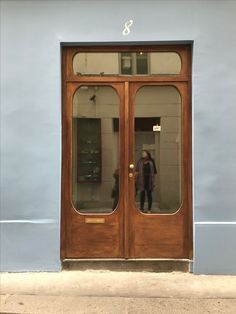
(31, 33)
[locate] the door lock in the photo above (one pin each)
(131, 166)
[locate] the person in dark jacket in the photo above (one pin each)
(115, 189)
(145, 176)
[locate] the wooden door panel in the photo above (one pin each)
(95, 240)
(90, 235)
(157, 237)
(161, 235)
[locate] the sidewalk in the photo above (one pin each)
(116, 292)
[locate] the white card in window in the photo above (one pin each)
(156, 128)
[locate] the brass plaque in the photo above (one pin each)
(94, 220)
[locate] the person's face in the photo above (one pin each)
(144, 154)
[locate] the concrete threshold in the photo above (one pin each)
(134, 265)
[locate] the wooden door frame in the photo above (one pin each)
(68, 76)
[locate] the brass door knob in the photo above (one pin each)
(131, 166)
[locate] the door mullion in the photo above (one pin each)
(126, 172)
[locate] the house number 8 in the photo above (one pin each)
(126, 30)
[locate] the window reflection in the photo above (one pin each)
(145, 179)
(126, 63)
(95, 149)
(142, 62)
(158, 149)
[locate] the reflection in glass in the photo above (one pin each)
(98, 63)
(158, 149)
(165, 63)
(141, 63)
(95, 149)
(126, 63)
(145, 179)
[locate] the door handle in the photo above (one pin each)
(131, 167)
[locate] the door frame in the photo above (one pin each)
(184, 77)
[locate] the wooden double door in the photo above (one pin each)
(108, 209)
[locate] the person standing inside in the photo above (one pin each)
(115, 189)
(145, 177)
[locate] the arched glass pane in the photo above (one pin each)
(95, 149)
(158, 148)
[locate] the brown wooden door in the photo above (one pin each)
(165, 230)
(92, 226)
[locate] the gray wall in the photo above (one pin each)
(31, 33)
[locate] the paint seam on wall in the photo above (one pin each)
(35, 221)
(215, 223)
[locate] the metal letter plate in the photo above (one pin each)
(94, 220)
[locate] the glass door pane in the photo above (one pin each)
(95, 149)
(158, 149)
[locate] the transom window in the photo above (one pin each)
(126, 63)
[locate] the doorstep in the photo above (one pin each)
(138, 265)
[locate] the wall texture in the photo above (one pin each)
(31, 34)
